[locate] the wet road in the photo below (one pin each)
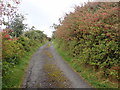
(48, 70)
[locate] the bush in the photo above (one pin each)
(11, 54)
(25, 43)
(91, 35)
(14, 51)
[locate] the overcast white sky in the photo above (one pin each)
(43, 13)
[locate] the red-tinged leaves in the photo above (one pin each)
(94, 30)
(7, 9)
(7, 36)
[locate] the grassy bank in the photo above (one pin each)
(91, 76)
(15, 77)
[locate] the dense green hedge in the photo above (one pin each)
(14, 49)
(90, 34)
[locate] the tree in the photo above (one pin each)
(32, 28)
(8, 10)
(17, 25)
(53, 35)
(36, 35)
(55, 26)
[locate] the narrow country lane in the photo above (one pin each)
(48, 70)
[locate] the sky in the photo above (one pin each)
(43, 13)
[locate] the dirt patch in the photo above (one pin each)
(55, 77)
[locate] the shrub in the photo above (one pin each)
(11, 54)
(91, 35)
(25, 43)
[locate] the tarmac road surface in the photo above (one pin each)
(47, 69)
